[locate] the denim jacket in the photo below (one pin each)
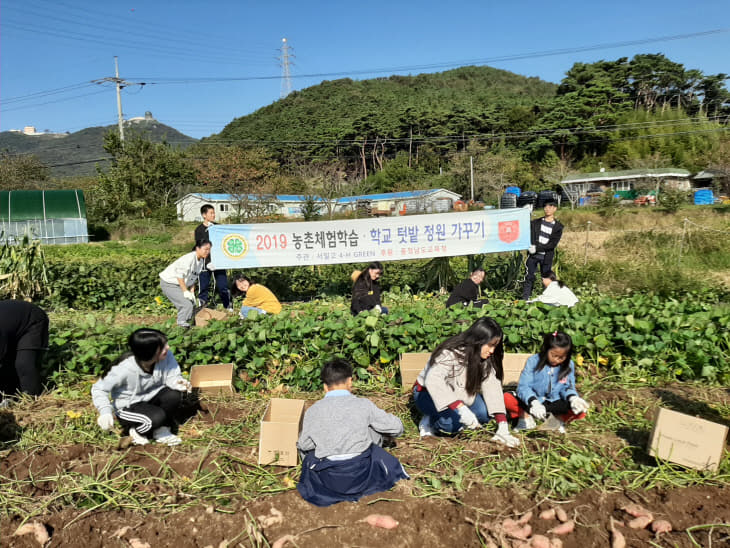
(544, 384)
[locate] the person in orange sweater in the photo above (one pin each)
(258, 297)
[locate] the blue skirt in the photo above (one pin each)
(324, 482)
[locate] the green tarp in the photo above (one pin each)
(27, 205)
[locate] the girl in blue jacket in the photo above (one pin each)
(546, 389)
(143, 390)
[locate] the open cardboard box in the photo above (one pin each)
(206, 315)
(212, 379)
(686, 440)
(411, 364)
(280, 427)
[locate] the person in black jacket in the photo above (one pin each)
(366, 290)
(23, 340)
(545, 233)
(467, 292)
(207, 211)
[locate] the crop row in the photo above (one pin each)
(685, 339)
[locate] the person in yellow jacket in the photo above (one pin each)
(258, 297)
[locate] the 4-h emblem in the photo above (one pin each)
(509, 231)
(235, 246)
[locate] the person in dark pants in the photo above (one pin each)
(221, 277)
(23, 341)
(144, 390)
(366, 290)
(545, 234)
(467, 292)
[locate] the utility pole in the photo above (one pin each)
(471, 176)
(120, 84)
(286, 55)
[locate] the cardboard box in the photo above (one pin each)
(280, 429)
(411, 364)
(205, 315)
(212, 379)
(513, 364)
(687, 440)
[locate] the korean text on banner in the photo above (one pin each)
(364, 240)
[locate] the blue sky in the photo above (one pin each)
(51, 50)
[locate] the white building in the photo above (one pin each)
(290, 205)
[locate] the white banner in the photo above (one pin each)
(372, 239)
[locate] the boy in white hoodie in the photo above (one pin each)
(143, 390)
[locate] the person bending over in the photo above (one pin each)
(467, 292)
(366, 290)
(257, 297)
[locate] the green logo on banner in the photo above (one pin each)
(235, 246)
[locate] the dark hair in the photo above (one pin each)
(145, 343)
(365, 274)
(202, 242)
(552, 276)
(468, 345)
(556, 339)
(477, 269)
(336, 372)
(240, 277)
(205, 208)
(550, 203)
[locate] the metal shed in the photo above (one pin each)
(52, 216)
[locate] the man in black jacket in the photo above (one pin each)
(207, 211)
(468, 291)
(545, 233)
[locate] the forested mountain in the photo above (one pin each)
(367, 121)
(77, 154)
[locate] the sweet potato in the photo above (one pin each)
(556, 543)
(515, 530)
(641, 522)
(548, 514)
(38, 529)
(378, 520)
(635, 510)
(561, 514)
(617, 538)
(524, 519)
(661, 526)
(563, 528)
(539, 541)
(280, 543)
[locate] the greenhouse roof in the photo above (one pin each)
(27, 205)
(625, 174)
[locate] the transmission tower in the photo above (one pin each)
(285, 61)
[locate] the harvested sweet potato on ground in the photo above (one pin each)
(556, 543)
(617, 537)
(561, 514)
(661, 526)
(635, 510)
(515, 530)
(548, 514)
(539, 541)
(524, 519)
(280, 543)
(37, 529)
(563, 528)
(378, 520)
(641, 522)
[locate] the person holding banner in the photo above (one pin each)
(545, 234)
(258, 297)
(461, 385)
(177, 280)
(207, 211)
(366, 290)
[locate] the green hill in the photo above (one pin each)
(332, 119)
(77, 154)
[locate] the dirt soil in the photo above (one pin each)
(471, 519)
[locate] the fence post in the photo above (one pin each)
(585, 255)
(681, 241)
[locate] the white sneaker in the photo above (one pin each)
(553, 423)
(526, 423)
(163, 435)
(230, 310)
(137, 438)
(425, 428)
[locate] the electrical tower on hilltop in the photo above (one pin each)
(285, 61)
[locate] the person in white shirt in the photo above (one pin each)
(178, 280)
(556, 292)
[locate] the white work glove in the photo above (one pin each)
(467, 417)
(578, 405)
(538, 410)
(180, 384)
(210, 267)
(189, 295)
(503, 436)
(531, 250)
(378, 308)
(105, 421)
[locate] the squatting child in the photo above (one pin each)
(342, 437)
